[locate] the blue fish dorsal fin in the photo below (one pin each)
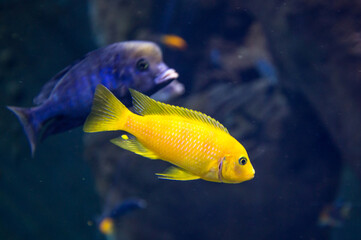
(144, 105)
(49, 86)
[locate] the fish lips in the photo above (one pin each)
(166, 76)
(161, 81)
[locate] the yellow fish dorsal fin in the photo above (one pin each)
(144, 105)
(174, 173)
(133, 145)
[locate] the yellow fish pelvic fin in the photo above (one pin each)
(133, 145)
(174, 173)
(107, 114)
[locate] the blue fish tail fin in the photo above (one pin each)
(29, 123)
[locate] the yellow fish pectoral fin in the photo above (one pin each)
(133, 145)
(174, 173)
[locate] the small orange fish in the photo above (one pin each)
(198, 145)
(174, 41)
(335, 214)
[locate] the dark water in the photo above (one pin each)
(51, 195)
(269, 72)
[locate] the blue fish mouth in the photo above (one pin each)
(166, 76)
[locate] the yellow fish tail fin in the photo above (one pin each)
(107, 114)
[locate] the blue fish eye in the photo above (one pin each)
(142, 65)
(242, 160)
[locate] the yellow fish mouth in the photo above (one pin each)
(221, 178)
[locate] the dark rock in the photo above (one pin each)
(316, 47)
(116, 20)
(284, 78)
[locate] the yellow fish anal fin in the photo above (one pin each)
(174, 173)
(144, 105)
(133, 145)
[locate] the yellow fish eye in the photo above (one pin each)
(242, 160)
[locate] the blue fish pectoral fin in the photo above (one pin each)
(133, 145)
(174, 173)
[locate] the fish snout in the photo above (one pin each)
(169, 74)
(251, 174)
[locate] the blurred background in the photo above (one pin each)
(283, 76)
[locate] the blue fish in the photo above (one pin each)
(65, 101)
(106, 221)
(125, 207)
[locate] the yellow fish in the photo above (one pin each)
(198, 145)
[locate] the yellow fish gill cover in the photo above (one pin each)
(198, 145)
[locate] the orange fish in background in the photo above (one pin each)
(110, 217)
(198, 145)
(174, 41)
(335, 214)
